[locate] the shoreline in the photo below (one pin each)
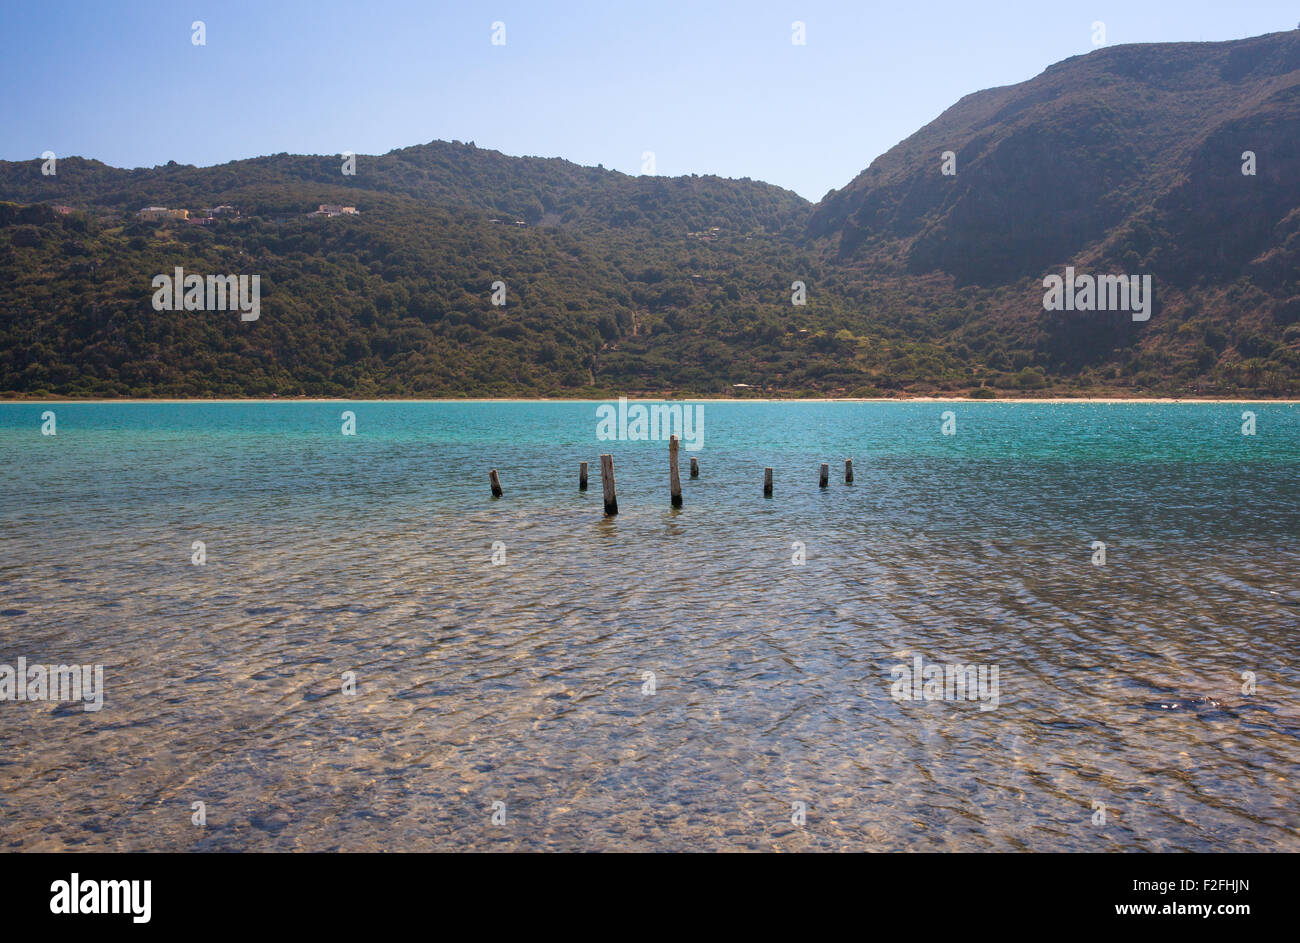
(1051, 400)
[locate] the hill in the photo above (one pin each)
(1126, 160)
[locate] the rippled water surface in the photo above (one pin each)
(523, 683)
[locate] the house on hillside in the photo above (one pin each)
(334, 209)
(155, 213)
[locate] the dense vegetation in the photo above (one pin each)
(1126, 160)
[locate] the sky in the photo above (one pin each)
(708, 87)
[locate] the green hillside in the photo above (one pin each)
(1127, 160)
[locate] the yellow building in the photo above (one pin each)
(334, 209)
(161, 212)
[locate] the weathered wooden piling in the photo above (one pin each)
(848, 471)
(496, 484)
(767, 482)
(825, 476)
(607, 481)
(582, 476)
(674, 479)
(695, 467)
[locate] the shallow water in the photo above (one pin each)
(522, 683)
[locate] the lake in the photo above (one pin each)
(375, 654)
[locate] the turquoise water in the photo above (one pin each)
(522, 683)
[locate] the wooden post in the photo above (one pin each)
(825, 476)
(674, 479)
(496, 484)
(695, 467)
(582, 476)
(607, 480)
(848, 471)
(767, 482)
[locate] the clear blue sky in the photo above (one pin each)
(710, 87)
